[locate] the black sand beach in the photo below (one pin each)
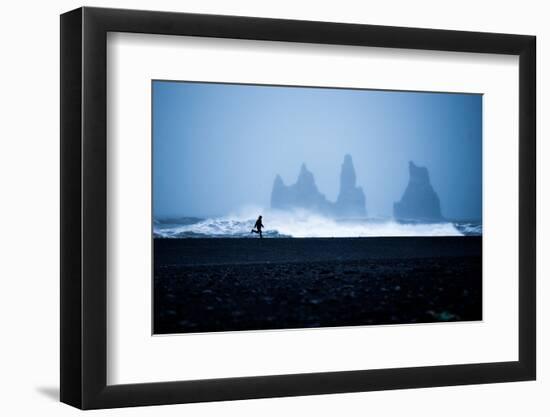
(208, 285)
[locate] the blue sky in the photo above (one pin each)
(218, 147)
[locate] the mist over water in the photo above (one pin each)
(218, 149)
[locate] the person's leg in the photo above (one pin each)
(260, 232)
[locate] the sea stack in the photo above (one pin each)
(419, 202)
(301, 195)
(305, 195)
(351, 199)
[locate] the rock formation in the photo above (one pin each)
(351, 199)
(305, 195)
(419, 202)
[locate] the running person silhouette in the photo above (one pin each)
(258, 227)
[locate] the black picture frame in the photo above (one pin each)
(84, 207)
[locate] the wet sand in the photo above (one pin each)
(208, 285)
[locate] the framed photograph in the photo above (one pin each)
(257, 208)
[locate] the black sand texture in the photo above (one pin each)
(209, 285)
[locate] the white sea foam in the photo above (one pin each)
(306, 224)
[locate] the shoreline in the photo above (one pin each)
(190, 251)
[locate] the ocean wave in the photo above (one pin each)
(469, 229)
(304, 224)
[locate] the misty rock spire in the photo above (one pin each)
(301, 195)
(304, 194)
(351, 199)
(419, 201)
